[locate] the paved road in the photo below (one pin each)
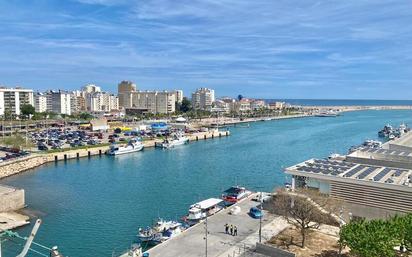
(192, 244)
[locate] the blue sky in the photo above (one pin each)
(357, 49)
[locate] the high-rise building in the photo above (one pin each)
(203, 98)
(11, 99)
(179, 95)
(59, 102)
(123, 90)
(153, 101)
(102, 102)
(40, 102)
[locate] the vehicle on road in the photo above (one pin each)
(255, 213)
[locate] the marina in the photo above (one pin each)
(105, 200)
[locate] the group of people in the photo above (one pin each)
(231, 229)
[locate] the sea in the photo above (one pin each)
(93, 207)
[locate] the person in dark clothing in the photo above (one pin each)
(226, 228)
(235, 231)
(231, 230)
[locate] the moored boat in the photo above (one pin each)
(329, 113)
(176, 140)
(131, 147)
(203, 209)
(235, 194)
(155, 234)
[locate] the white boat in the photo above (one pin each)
(135, 251)
(131, 147)
(174, 230)
(154, 235)
(175, 141)
(203, 209)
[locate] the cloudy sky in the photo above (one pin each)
(263, 48)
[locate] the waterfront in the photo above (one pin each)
(91, 207)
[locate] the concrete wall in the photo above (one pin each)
(272, 251)
(11, 199)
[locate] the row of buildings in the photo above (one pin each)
(129, 99)
(92, 99)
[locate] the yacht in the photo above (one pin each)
(203, 209)
(234, 194)
(176, 140)
(131, 147)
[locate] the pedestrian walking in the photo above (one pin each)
(226, 228)
(231, 230)
(235, 231)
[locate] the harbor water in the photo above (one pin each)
(93, 207)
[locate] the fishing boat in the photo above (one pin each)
(131, 147)
(154, 235)
(177, 139)
(203, 209)
(234, 194)
(174, 230)
(134, 251)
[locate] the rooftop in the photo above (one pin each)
(353, 171)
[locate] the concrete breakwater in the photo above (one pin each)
(38, 159)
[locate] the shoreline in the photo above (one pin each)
(38, 159)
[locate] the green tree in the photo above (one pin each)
(375, 238)
(27, 109)
(85, 116)
(186, 105)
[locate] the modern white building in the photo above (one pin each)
(40, 102)
(102, 102)
(11, 99)
(203, 98)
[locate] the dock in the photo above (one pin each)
(38, 159)
(191, 243)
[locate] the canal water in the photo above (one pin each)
(93, 207)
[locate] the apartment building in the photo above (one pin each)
(102, 102)
(153, 101)
(11, 99)
(203, 98)
(59, 102)
(124, 89)
(40, 102)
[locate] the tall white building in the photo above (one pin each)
(179, 96)
(11, 99)
(123, 91)
(203, 98)
(102, 102)
(40, 102)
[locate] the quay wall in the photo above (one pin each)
(11, 199)
(36, 160)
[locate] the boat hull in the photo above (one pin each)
(120, 152)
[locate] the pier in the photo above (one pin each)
(38, 159)
(192, 243)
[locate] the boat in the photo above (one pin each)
(368, 144)
(327, 114)
(131, 147)
(234, 194)
(203, 209)
(175, 229)
(135, 251)
(176, 140)
(154, 235)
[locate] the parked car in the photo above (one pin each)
(262, 197)
(255, 213)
